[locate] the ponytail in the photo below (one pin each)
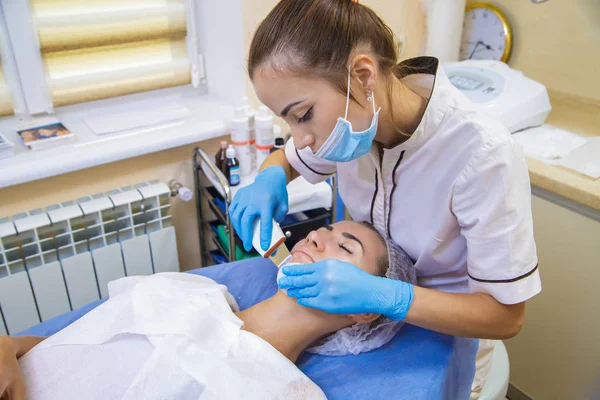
(317, 37)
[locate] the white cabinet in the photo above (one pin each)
(557, 353)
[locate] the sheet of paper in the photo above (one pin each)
(128, 120)
(584, 159)
(547, 143)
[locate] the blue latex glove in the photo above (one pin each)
(266, 198)
(338, 287)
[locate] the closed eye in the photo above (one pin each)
(345, 248)
(306, 117)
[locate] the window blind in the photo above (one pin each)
(93, 49)
(6, 105)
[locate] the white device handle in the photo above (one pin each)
(277, 237)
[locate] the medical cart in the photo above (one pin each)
(212, 186)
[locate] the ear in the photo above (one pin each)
(364, 68)
(363, 318)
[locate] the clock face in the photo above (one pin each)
(485, 36)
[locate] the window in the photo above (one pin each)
(98, 49)
(72, 51)
(60, 52)
(6, 104)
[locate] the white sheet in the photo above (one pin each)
(557, 146)
(152, 115)
(547, 142)
(165, 336)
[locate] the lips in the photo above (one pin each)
(302, 255)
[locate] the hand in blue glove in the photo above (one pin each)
(338, 287)
(266, 198)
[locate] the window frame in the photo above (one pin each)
(27, 57)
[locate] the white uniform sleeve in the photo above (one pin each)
(492, 201)
(311, 167)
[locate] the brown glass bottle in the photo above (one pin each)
(220, 157)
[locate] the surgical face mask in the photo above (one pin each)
(345, 145)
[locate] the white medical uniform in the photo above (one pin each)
(456, 195)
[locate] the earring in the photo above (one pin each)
(370, 96)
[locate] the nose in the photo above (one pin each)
(317, 240)
(302, 138)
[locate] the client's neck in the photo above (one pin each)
(289, 327)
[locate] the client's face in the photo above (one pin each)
(346, 241)
(29, 136)
(47, 132)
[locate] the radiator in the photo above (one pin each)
(61, 258)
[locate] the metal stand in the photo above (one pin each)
(203, 165)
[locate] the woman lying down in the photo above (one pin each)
(181, 336)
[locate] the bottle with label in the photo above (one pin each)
(279, 144)
(250, 114)
(232, 167)
(240, 139)
(264, 134)
(220, 157)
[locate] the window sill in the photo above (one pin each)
(209, 119)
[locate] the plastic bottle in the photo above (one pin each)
(240, 139)
(264, 134)
(232, 167)
(220, 156)
(250, 114)
(279, 144)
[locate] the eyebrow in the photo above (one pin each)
(348, 236)
(287, 108)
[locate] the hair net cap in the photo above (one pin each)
(360, 338)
